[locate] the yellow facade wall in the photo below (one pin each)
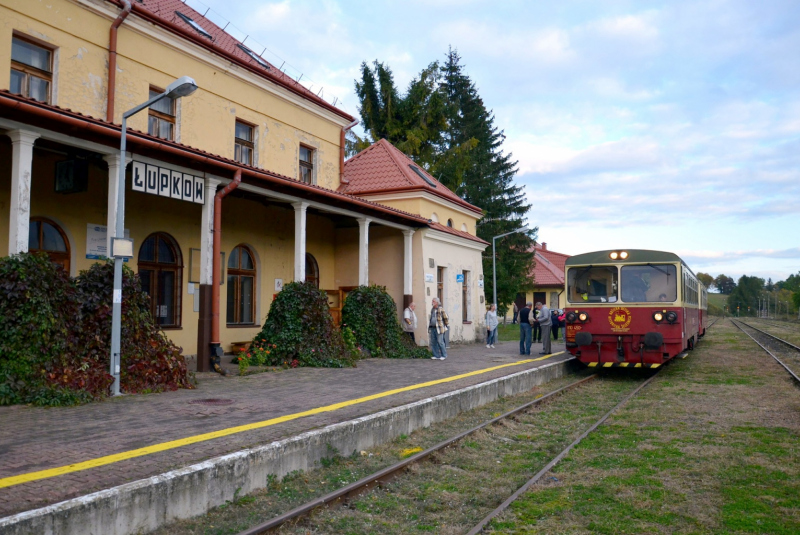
(205, 119)
(427, 208)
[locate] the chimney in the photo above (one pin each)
(544, 246)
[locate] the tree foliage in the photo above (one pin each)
(443, 124)
(300, 330)
(371, 315)
(746, 294)
(706, 279)
(724, 284)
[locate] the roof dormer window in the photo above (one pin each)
(254, 56)
(194, 25)
(422, 175)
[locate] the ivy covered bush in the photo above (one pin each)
(38, 308)
(299, 331)
(55, 335)
(150, 361)
(371, 314)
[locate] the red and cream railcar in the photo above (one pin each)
(632, 308)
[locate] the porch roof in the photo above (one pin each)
(67, 122)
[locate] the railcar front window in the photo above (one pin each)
(652, 283)
(592, 284)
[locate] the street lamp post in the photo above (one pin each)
(494, 263)
(121, 247)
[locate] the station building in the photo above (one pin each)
(548, 276)
(297, 213)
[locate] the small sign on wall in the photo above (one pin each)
(429, 277)
(460, 278)
(96, 241)
(480, 283)
(278, 285)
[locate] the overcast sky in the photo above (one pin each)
(657, 125)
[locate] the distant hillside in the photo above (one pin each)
(719, 300)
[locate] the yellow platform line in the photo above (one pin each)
(172, 444)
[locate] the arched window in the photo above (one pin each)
(312, 270)
(450, 223)
(241, 286)
(45, 236)
(160, 272)
(434, 217)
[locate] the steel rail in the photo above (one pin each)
(532, 481)
(386, 474)
(771, 354)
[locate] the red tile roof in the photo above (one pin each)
(382, 168)
(549, 268)
(454, 232)
(162, 12)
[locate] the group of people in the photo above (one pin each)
(557, 320)
(536, 324)
(438, 326)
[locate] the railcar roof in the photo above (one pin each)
(634, 256)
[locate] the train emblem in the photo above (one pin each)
(620, 319)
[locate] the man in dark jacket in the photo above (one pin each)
(525, 318)
(556, 323)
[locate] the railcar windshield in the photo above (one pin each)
(652, 283)
(591, 284)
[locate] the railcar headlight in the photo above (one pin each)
(583, 316)
(571, 317)
(658, 316)
(623, 255)
(672, 317)
(614, 255)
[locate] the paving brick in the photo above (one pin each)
(34, 438)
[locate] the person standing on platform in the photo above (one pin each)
(544, 323)
(537, 330)
(525, 318)
(516, 313)
(555, 323)
(491, 326)
(410, 321)
(437, 326)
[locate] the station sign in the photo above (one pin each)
(460, 278)
(165, 182)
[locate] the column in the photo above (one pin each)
(408, 280)
(300, 241)
(204, 291)
(207, 232)
(20, 206)
(113, 161)
(363, 251)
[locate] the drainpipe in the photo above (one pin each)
(216, 349)
(112, 59)
(341, 151)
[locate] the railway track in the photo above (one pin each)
(785, 353)
(347, 494)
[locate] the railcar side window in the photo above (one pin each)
(652, 283)
(592, 284)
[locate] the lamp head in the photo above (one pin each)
(182, 87)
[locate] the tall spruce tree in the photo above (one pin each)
(442, 123)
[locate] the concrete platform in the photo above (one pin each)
(131, 463)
